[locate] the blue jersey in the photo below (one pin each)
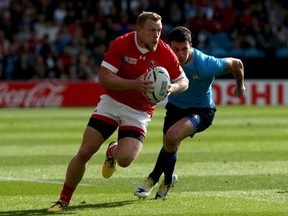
(201, 72)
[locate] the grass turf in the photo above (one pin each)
(238, 166)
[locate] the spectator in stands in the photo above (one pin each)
(4, 49)
(282, 36)
(267, 40)
(10, 60)
(23, 70)
(40, 68)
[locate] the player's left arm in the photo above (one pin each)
(236, 67)
(179, 85)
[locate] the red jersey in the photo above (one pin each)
(128, 60)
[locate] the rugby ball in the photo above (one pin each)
(161, 80)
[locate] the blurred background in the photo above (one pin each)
(65, 40)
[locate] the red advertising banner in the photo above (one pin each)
(49, 94)
(63, 94)
(258, 92)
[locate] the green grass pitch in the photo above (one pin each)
(239, 166)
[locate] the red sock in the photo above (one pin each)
(66, 193)
(111, 149)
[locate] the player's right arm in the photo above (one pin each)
(109, 80)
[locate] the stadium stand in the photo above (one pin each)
(65, 40)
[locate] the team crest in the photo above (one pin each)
(195, 77)
(152, 63)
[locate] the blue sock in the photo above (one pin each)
(164, 159)
(169, 170)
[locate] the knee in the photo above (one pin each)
(124, 161)
(85, 153)
(171, 139)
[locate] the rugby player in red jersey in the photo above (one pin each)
(124, 105)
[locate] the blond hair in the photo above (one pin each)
(145, 15)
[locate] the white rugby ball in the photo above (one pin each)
(161, 80)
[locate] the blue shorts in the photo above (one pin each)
(201, 118)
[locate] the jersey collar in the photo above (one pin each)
(142, 50)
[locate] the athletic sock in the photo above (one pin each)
(164, 158)
(66, 193)
(111, 149)
(169, 170)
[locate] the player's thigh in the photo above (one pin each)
(180, 130)
(92, 140)
(128, 149)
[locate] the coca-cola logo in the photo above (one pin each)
(39, 95)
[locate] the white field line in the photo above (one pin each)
(2, 178)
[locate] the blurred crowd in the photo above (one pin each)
(66, 40)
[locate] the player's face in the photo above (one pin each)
(182, 51)
(149, 34)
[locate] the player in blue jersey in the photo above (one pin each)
(191, 111)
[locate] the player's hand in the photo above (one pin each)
(240, 91)
(143, 86)
(169, 90)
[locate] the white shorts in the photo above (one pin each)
(124, 116)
